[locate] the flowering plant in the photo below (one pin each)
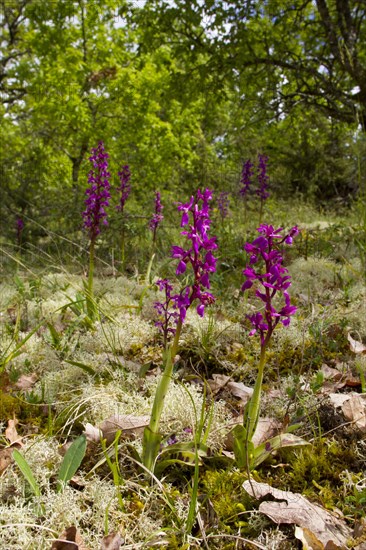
(167, 310)
(275, 280)
(154, 223)
(125, 187)
(98, 194)
(246, 178)
(19, 229)
(198, 255)
(223, 204)
(263, 178)
(271, 285)
(246, 181)
(97, 199)
(157, 216)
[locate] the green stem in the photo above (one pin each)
(151, 439)
(148, 272)
(123, 249)
(89, 298)
(254, 404)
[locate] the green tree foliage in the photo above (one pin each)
(304, 51)
(183, 92)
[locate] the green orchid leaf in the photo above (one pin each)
(71, 462)
(263, 451)
(27, 472)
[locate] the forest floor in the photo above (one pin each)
(67, 380)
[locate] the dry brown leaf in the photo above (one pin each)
(308, 539)
(70, 539)
(218, 382)
(337, 399)
(11, 432)
(6, 458)
(356, 347)
(266, 428)
(354, 410)
(352, 381)
(26, 382)
(353, 407)
(330, 374)
(130, 425)
(113, 541)
(92, 433)
(238, 389)
(321, 529)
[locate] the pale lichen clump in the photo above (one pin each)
(183, 406)
(43, 457)
(86, 507)
(94, 404)
(35, 352)
(210, 329)
(314, 278)
(91, 403)
(296, 334)
(118, 294)
(8, 295)
(132, 330)
(120, 290)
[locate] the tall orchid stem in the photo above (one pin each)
(151, 261)
(255, 400)
(89, 298)
(152, 438)
(123, 249)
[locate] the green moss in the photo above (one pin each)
(223, 491)
(9, 406)
(28, 414)
(325, 348)
(316, 472)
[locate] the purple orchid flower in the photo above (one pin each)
(157, 216)
(246, 178)
(273, 281)
(98, 194)
(125, 187)
(223, 204)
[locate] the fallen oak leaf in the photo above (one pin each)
(355, 346)
(238, 389)
(70, 539)
(128, 424)
(11, 432)
(6, 458)
(353, 408)
(26, 382)
(92, 433)
(266, 428)
(113, 541)
(321, 529)
(218, 382)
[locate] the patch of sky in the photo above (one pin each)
(355, 90)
